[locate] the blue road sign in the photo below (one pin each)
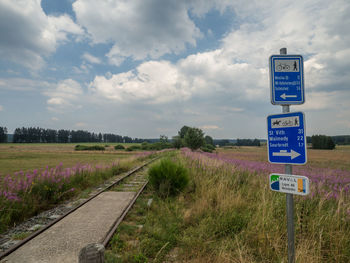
(286, 138)
(287, 79)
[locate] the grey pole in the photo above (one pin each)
(289, 198)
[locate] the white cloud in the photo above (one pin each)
(138, 29)
(62, 26)
(232, 81)
(202, 75)
(65, 97)
(80, 124)
(153, 82)
(209, 127)
(28, 35)
(23, 84)
(92, 59)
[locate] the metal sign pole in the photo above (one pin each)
(289, 198)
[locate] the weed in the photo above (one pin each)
(168, 178)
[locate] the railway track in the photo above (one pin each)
(113, 200)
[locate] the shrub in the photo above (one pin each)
(168, 178)
(145, 146)
(89, 148)
(205, 149)
(133, 148)
(208, 148)
(119, 147)
(322, 142)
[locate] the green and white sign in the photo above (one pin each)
(289, 184)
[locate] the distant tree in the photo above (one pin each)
(194, 138)
(16, 135)
(3, 134)
(322, 142)
(223, 142)
(127, 139)
(247, 142)
(163, 139)
(183, 131)
(63, 136)
(177, 142)
(341, 139)
(209, 140)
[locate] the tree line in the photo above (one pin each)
(238, 142)
(41, 135)
(3, 134)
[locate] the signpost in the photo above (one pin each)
(286, 132)
(289, 184)
(287, 79)
(286, 138)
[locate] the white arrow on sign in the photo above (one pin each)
(292, 154)
(284, 96)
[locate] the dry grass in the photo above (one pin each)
(234, 217)
(231, 215)
(27, 157)
(336, 159)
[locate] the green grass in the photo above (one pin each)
(27, 157)
(45, 192)
(227, 215)
(144, 234)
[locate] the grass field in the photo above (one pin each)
(35, 177)
(337, 159)
(27, 157)
(229, 214)
(226, 214)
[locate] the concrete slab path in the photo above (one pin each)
(88, 224)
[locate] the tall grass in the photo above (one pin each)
(25, 194)
(234, 217)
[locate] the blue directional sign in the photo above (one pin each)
(287, 79)
(286, 138)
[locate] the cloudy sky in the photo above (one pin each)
(147, 67)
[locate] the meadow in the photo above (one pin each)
(229, 214)
(30, 156)
(35, 177)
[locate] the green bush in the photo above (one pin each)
(89, 148)
(119, 147)
(133, 148)
(208, 148)
(168, 178)
(145, 146)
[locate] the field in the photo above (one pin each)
(229, 214)
(35, 177)
(27, 157)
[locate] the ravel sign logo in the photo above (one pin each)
(291, 184)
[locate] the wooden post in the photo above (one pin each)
(92, 253)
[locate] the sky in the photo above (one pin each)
(145, 68)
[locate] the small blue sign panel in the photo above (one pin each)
(286, 138)
(287, 79)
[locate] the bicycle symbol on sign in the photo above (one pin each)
(284, 67)
(287, 66)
